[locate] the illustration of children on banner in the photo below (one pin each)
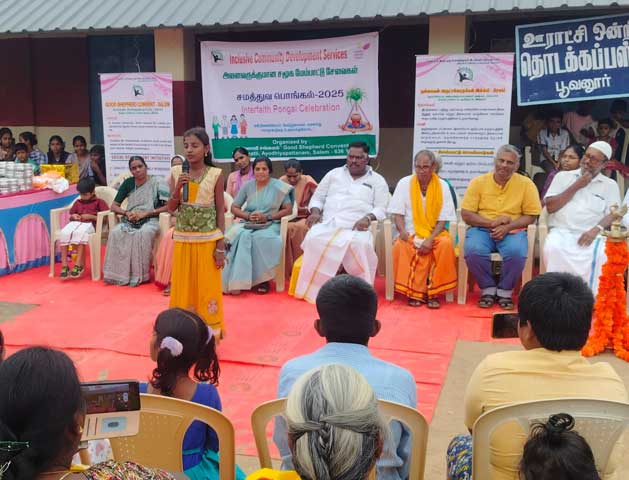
(357, 120)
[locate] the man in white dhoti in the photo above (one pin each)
(578, 203)
(342, 208)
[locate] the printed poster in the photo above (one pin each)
(573, 60)
(138, 120)
(462, 111)
(303, 99)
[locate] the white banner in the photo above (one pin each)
(304, 99)
(462, 111)
(137, 120)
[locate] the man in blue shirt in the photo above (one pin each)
(347, 307)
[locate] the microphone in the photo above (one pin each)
(185, 168)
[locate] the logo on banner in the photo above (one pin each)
(465, 74)
(217, 56)
(138, 90)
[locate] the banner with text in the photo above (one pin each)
(462, 110)
(303, 99)
(137, 120)
(573, 60)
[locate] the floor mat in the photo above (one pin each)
(106, 330)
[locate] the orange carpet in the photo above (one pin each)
(106, 330)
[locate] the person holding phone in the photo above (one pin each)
(555, 318)
(199, 252)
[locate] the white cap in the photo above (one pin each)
(603, 147)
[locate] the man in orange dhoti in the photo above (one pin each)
(423, 255)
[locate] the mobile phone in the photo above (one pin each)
(505, 325)
(111, 396)
(112, 409)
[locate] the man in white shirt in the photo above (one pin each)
(578, 203)
(552, 140)
(342, 208)
(421, 206)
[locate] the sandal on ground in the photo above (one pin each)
(263, 288)
(486, 301)
(77, 271)
(166, 291)
(506, 303)
(434, 303)
(415, 303)
(65, 271)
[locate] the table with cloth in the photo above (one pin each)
(25, 227)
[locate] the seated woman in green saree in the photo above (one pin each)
(130, 244)
(255, 244)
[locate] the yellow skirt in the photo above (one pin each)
(196, 283)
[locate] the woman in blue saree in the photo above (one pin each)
(255, 245)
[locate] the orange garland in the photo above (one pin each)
(610, 328)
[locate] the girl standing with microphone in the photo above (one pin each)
(199, 253)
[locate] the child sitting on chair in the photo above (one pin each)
(187, 368)
(82, 220)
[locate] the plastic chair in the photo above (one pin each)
(529, 168)
(163, 424)
(600, 422)
(410, 417)
(107, 194)
(527, 273)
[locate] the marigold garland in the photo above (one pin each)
(610, 328)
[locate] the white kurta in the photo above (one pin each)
(583, 212)
(332, 243)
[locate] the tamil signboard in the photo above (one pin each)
(305, 99)
(573, 60)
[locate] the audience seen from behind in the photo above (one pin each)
(342, 208)
(187, 368)
(42, 413)
(554, 451)
(254, 246)
(499, 206)
(335, 430)
(555, 318)
(130, 243)
(1, 346)
(347, 308)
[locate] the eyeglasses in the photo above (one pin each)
(356, 157)
(593, 158)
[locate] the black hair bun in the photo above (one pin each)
(559, 423)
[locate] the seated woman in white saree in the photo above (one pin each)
(130, 244)
(255, 244)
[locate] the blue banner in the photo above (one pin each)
(573, 60)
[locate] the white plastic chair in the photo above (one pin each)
(600, 422)
(542, 229)
(527, 273)
(529, 168)
(107, 194)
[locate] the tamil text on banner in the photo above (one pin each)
(573, 60)
(462, 110)
(304, 99)
(137, 120)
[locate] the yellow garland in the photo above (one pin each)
(610, 328)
